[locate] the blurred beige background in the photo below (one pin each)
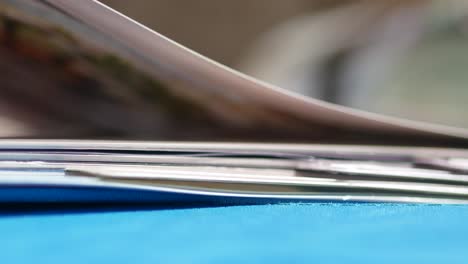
(220, 29)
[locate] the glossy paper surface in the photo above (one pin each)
(80, 70)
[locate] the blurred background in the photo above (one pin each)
(402, 58)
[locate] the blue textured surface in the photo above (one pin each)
(321, 233)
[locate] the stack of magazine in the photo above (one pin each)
(106, 110)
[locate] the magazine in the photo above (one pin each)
(99, 108)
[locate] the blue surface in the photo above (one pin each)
(295, 233)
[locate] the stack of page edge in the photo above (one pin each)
(210, 173)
